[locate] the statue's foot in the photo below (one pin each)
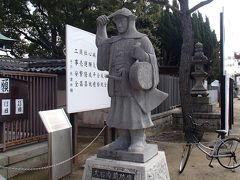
(138, 141)
(122, 142)
(119, 145)
(136, 147)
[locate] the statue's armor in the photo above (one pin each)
(119, 65)
(133, 77)
(130, 108)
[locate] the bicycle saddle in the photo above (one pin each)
(221, 132)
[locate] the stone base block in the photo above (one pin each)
(35, 155)
(213, 120)
(203, 105)
(3, 162)
(201, 100)
(204, 108)
(99, 168)
(149, 151)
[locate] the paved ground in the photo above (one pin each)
(196, 169)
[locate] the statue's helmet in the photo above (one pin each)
(124, 12)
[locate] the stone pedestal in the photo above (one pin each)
(202, 105)
(213, 120)
(149, 152)
(99, 168)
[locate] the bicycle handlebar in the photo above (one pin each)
(196, 124)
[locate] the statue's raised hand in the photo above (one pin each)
(102, 20)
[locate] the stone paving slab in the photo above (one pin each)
(34, 155)
(26, 152)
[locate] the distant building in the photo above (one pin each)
(5, 45)
(232, 65)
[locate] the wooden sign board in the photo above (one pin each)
(13, 99)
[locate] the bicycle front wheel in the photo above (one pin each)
(228, 153)
(185, 157)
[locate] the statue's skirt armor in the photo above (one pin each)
(125, 113)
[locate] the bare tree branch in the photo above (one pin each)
(36, 40)
(174, 9)
(32, 22)
(41, 10)
(199, 5)
(163, 2)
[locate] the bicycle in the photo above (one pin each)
(225, 149)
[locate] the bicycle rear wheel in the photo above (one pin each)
(228, 153)
(185, 157)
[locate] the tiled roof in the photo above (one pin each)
(56, 66)
(4, 38)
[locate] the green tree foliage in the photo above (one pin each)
(169, 29)
(170, 32)
(42, 22)
(214, 72)
(204, 34)
(147, 21)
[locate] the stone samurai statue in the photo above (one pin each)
(133, 76)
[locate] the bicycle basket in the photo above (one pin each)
(194, 134)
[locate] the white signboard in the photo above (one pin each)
(4, 85)
(55, 120)
(6, 105)
(19, 106)
(86, 85)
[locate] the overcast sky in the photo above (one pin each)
(231, 10)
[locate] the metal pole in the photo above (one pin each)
(231, 110)
(73, 122)
(222, 77)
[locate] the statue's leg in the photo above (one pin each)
(138, 140)
(123, 140)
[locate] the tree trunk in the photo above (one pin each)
(185, 63)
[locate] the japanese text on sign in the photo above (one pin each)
(19, 106)
(4, 85)
(86, 85)
(6, 105)
(108, 174)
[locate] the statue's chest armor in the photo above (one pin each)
(121, 54)
(120, 63)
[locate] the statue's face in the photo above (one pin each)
(121, 23)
